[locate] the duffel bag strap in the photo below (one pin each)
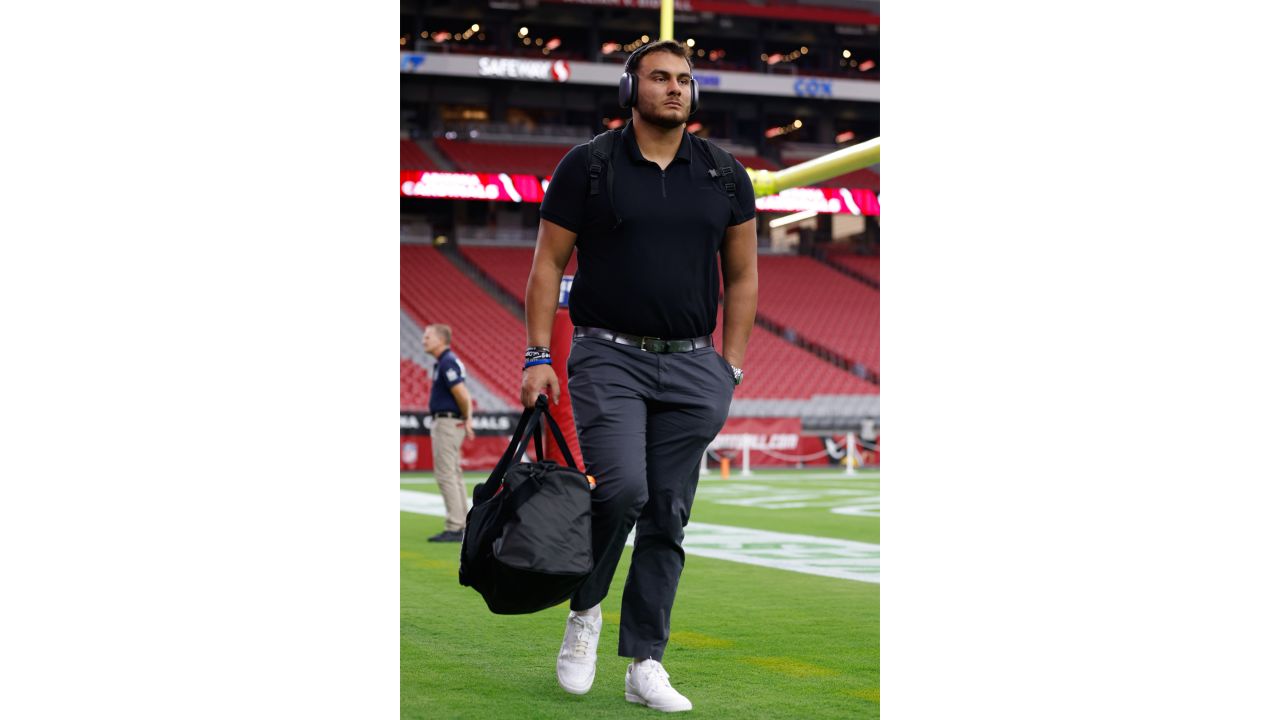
(524, 430)
(560, 442)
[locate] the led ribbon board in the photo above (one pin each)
(530, 188)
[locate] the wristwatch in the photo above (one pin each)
(737, 374)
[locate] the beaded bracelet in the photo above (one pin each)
(537, 355)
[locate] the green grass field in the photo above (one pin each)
(746, 642)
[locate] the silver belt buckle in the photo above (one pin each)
(658, 345)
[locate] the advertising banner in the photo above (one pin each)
(506, 187)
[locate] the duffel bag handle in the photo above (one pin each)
(560, 442)
(521, 435)
(528, 425)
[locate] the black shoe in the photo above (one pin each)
(447, 536)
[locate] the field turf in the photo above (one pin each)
(746, 642)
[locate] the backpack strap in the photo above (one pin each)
(721, 167)
(599, 153)
(599, 157)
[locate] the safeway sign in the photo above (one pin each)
(557, 71)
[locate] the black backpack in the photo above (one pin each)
(600, 156)
(527, 545)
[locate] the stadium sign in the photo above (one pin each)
(472, 186)
(812, 87)
(419, 423)
(531, 188)
(412, 62)
(518, 69)
(606, 74)
(852, 201)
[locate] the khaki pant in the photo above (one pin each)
(446, 443)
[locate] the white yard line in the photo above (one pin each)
(844, 559)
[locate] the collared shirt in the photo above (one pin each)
(657, 273)
(449, 372)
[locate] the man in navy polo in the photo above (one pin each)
(450, 407)
(653, 234)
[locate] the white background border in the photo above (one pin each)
(198, 237)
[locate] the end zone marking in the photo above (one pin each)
(829, 557)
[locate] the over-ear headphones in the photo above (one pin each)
(629, 83)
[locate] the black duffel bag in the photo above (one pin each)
(528, 540)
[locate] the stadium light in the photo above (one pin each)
(794, 217)
(866, 65)
(848, 54)
(689, 42)
(475, 28)
(525, 31)
(553, 43)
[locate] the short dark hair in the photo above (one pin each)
(671, 46)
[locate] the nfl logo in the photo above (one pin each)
(409, 453)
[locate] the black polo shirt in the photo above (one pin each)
(657, 273)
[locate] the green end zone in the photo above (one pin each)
(747, 641)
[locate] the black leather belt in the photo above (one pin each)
(644, 342)
(446, 414)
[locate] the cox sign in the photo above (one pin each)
(812, 87)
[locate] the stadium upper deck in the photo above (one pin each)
(773, 75)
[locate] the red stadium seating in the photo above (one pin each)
(509, 267)
(757, 163)
(412, 157)
(778, 368)
(540, 160)
(774, 368)
(868, 266)
(822, 305)
(481, 157)
(415, 386)
(488, 338)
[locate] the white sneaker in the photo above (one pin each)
(576, 665)
(649, 684)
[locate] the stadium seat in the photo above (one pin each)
(797, 292)
(867, 266)
(778, 368)
(488, 338)
(483, 157)
(412, 157)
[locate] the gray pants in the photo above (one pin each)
(644, 421)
